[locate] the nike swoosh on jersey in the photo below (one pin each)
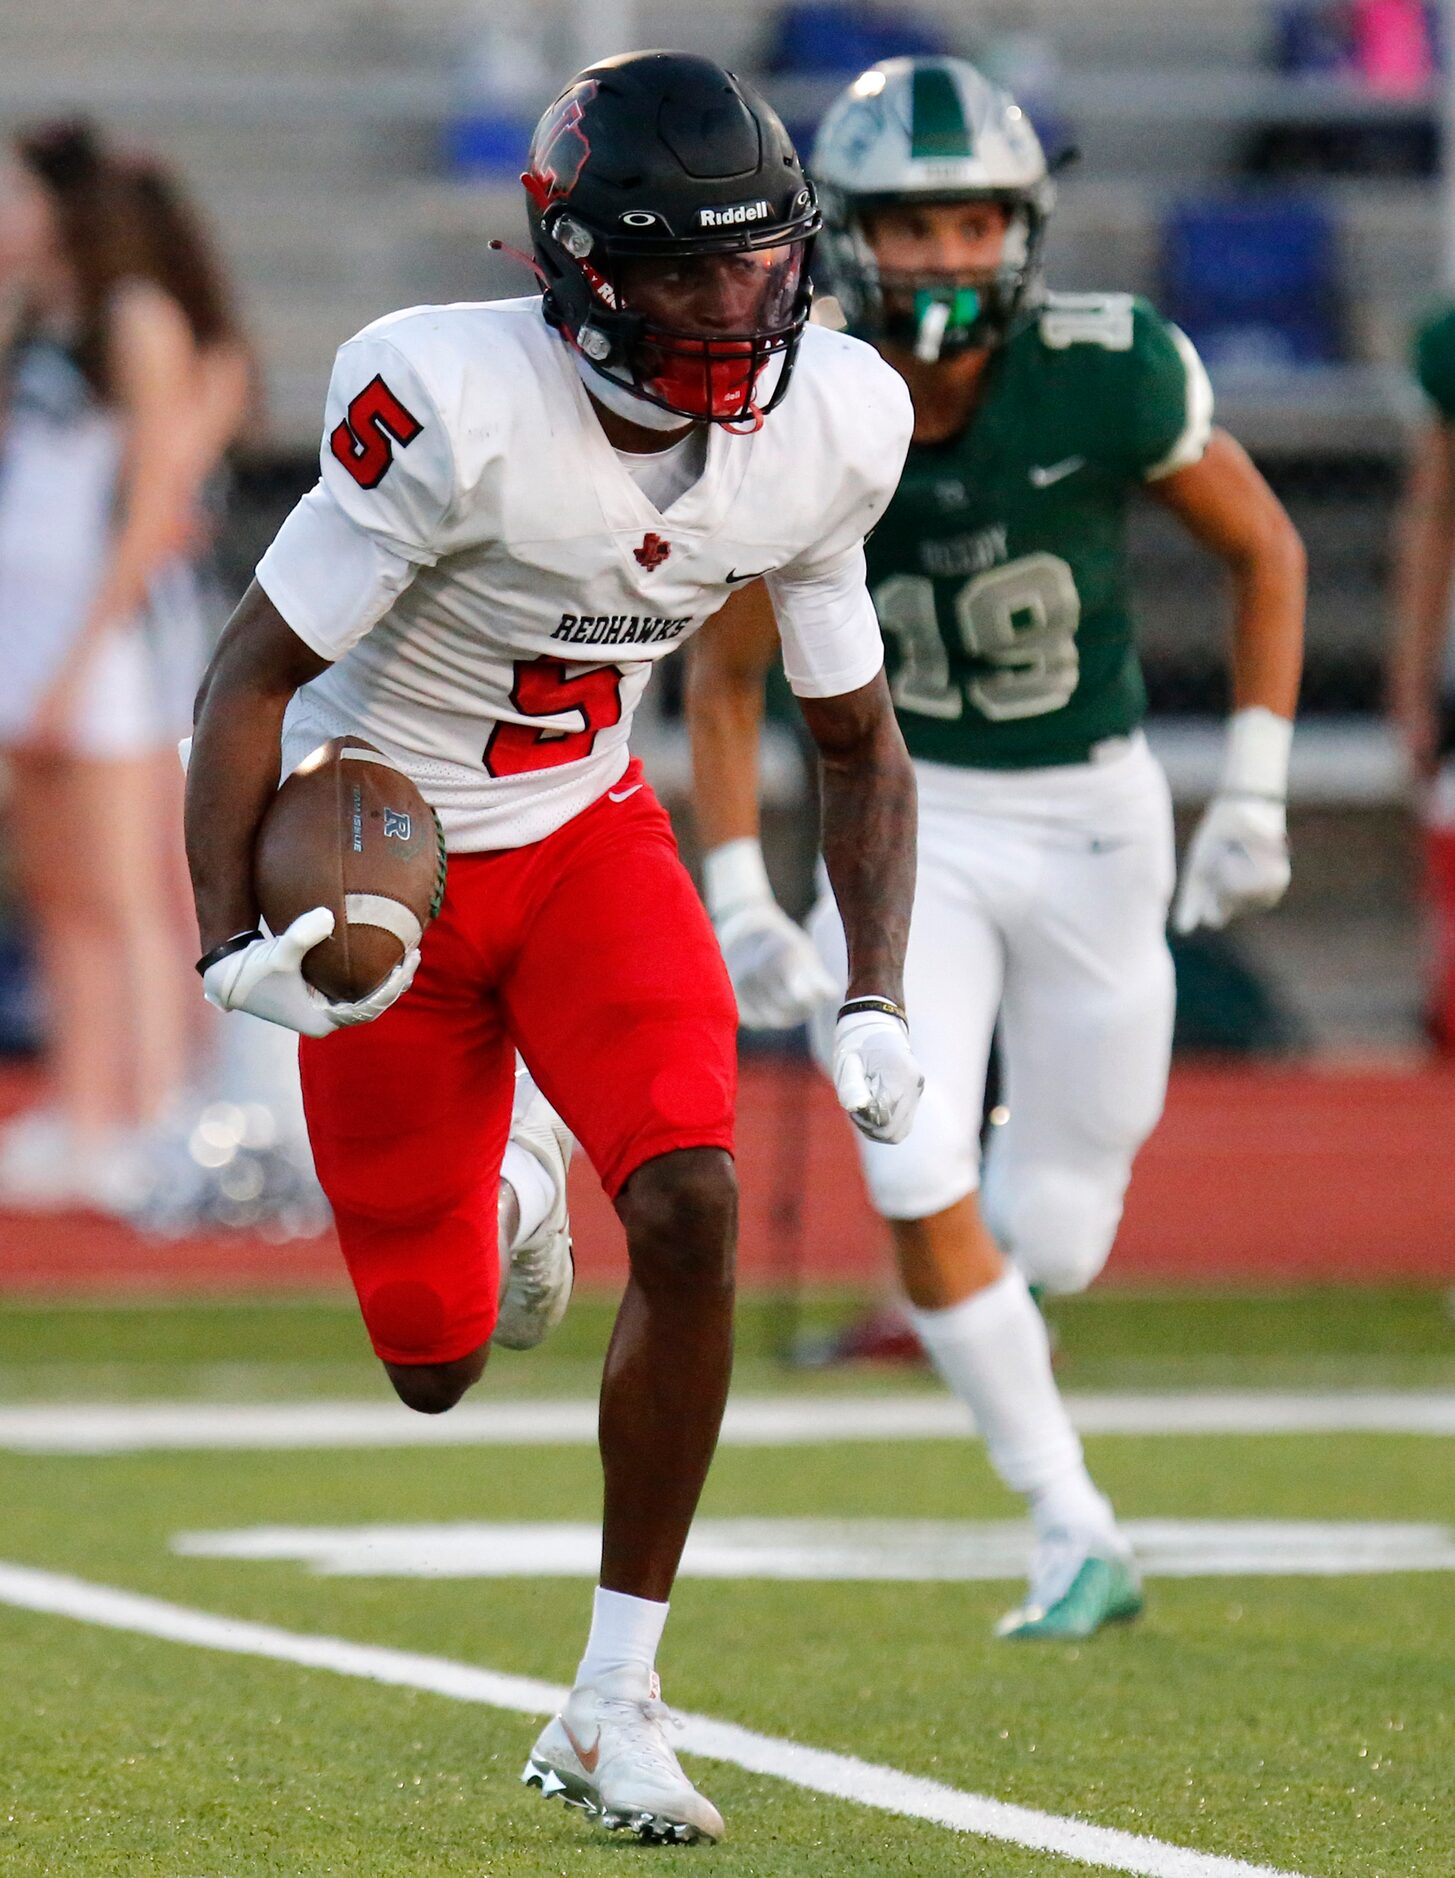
(735, 578)
(588, 1757)
(620, 795)
(1043, 475)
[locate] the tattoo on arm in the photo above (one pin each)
(868, 831)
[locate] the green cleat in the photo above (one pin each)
(1103, 1591)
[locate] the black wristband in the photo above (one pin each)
(237, 943)
(885, 1006)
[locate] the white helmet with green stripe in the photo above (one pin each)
(929, 130)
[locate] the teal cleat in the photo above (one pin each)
(1103, 1591)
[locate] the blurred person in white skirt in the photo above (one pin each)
(110, 422)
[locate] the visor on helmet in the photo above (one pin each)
(710, 325)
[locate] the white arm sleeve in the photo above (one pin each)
(386, 486)
(858, 433)
(831, 639)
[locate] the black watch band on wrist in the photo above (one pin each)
(238, 942)
(885, 1006)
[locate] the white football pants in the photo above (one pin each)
(1041, 904)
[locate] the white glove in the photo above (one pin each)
(776, 973)
(266, 979)
(1237, 861)
(875, 1075)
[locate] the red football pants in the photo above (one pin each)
(590, 952)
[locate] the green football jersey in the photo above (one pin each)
(999, 569)
(1435, 361)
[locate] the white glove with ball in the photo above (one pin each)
(265, 978)
(777, 976)
(1237, 861)
(875, 1075)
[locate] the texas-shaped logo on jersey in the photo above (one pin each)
(560, 148)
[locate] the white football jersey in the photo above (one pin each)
(493, 586)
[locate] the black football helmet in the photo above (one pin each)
(672, 225)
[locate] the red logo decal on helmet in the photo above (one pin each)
(652, 552)
(559, 149)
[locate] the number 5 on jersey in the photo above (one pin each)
(364, 442)
(551, 688)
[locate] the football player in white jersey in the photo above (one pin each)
(523, 505)
(1045, 827)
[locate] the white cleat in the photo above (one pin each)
(609, 1755)
(542, 1270)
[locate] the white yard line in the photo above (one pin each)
(841, 1776)
(842, 1551)
(752, 1421)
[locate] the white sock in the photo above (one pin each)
(992, 1351)
(625, 1633)
(535, 1194)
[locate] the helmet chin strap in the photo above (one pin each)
(624, 402)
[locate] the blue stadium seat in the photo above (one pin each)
(1311, 39)
(844, 36)
(1255, 281)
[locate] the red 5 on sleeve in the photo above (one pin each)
(364, 438)
(386, 457)
(374, 518)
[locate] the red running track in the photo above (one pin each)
(1257, 1175)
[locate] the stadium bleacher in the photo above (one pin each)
(315, 129)
(316, 132)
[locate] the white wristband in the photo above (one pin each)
(1255, 762)
(734, 875)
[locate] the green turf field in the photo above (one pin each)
(1301, 1723)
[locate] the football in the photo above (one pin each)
(348, 830)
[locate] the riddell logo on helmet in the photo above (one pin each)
(736, 216)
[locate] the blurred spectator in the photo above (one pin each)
(118, 389)
(1422, 663)
(1388, 46)
(1312, 38)
(1394, 46)
(1388, 49)
(179, 256)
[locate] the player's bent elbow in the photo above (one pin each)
(1289, 550)
(1275, 549)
